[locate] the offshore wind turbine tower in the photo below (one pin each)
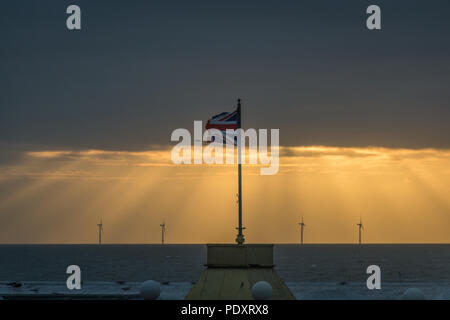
(100, 231)
(163, 231)
(302, 225)
(360, 227)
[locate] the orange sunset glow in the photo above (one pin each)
(400, 194)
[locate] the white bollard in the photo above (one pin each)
(150, 290)
(262, 290)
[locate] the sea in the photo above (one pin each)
(174, 263)
(311, 271)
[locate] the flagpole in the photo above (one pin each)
(240, 237)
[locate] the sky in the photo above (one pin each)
(86, 118)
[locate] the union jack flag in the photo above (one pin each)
(222, 122)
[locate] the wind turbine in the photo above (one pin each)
(360, 227)
(163, 230)
(100, 230)
(302, 225)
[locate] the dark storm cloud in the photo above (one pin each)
(306, 152)
(139, 69)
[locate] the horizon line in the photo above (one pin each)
(232, 243)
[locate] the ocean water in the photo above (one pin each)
(185, 263)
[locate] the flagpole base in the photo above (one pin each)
(240, 239)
